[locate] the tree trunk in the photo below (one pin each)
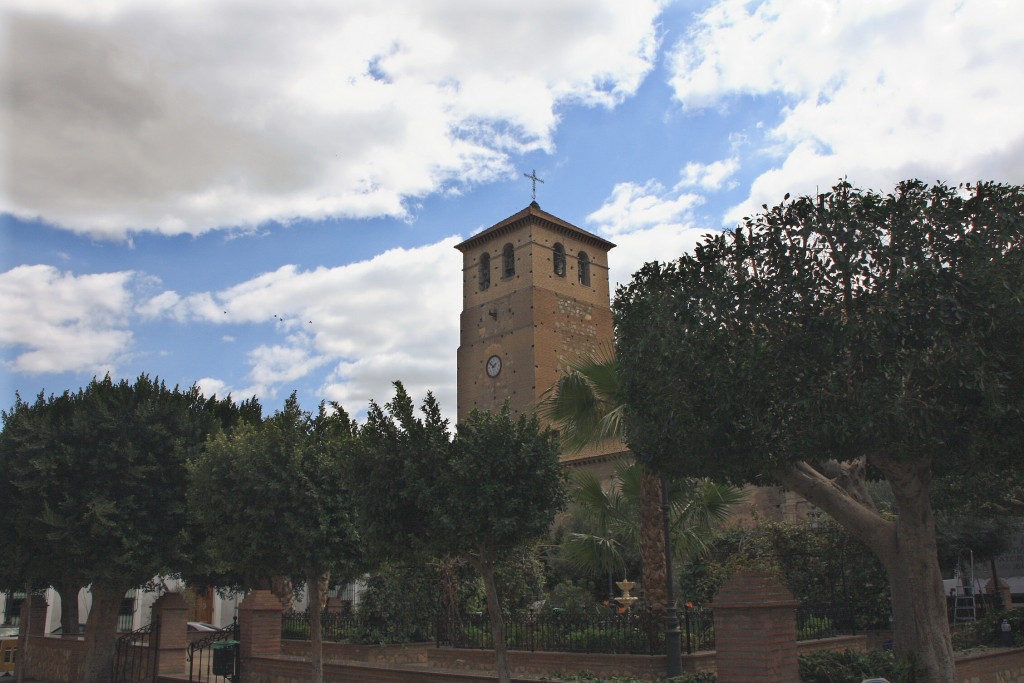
(919, 603)
(282, 587)
(485, 565)
(907, 549)
(450, 611)
(68, 608)
(24, 626)
(652, 552)
(101, 632)
(316, 641)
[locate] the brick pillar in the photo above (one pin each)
(259, 619)
(1004, 592)
(755, 630)
(37, 608)
(172, 613)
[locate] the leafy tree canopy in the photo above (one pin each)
(96, 478)
(836, 337)
(480, 496)
(94, 486)
(270, 498)
(835, 327)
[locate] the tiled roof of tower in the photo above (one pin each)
(534, 211)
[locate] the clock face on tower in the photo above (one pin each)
(493, 366)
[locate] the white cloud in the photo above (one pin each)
(58, 321)
(159, 305)
(283, 363)
(634, 207)
(181, 118)
(647, 223)
(713, 176)
(393, 317)
(659, 243)
(211, 386)
(873, 91)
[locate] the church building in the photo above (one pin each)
(535, 294)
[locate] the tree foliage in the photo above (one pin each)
(270, 500)
(834, 337)
(95, 484)
(829, 328)
(609, 533)
(821, 564)
(480, 496)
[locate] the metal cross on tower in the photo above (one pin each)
(533, 176)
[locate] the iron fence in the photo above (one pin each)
(334, 627)
(135, 654)
(609, 633)
(557, 631)
(696, 629)
(216, 657)
(824, 621)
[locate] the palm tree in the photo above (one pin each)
(610, 517)
(603, 534)
(586, 403)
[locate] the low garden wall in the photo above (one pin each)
(995, 666)
(838, 643)
(410, 653)
(295, 670)
(53, 658)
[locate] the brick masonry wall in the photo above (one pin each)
(54, 659)
(999, 666)
(297, 671)
(259, 618)
(531, 663)
(755, 630)
(427, 664)
(415, 653)
(839, 643)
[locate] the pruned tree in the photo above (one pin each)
(271, 500)
(97, 484)
(835, 338)
(494, 487)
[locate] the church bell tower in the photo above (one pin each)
(535, 293)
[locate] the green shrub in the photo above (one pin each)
(398, 605)
(814, 627)
(812, 561)
(853, 667)
(295, 631)
(987, 631)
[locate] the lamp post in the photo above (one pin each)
(673, 659)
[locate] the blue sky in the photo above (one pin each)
(262, 197)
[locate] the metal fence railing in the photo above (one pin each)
(556, 631)
(696, 629)
(630, 633)
(813, 622)
(135, 654)
(215, 658)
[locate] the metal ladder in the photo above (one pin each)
(965, 608)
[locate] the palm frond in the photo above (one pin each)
(592, 553)
(585, 402)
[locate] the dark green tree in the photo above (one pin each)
(835, 338)
(480, 497)
(97, 482)
(271, 500)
